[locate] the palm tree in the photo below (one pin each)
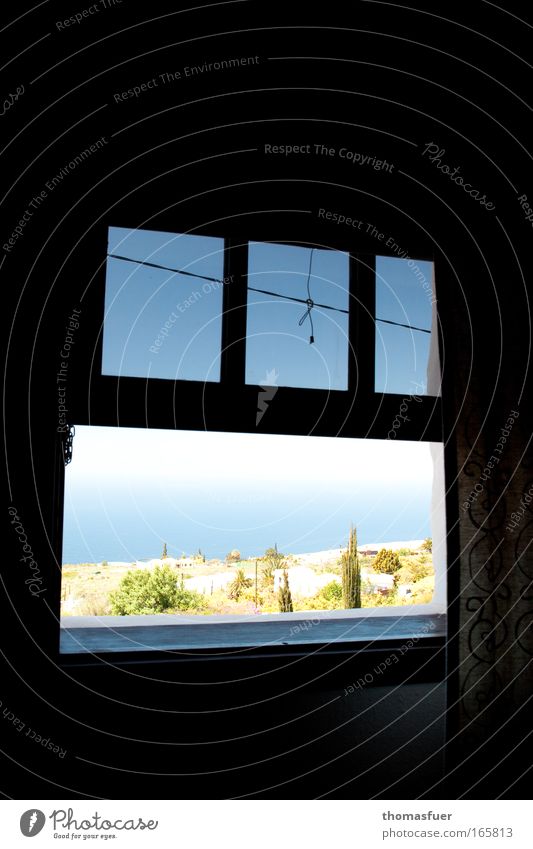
(239, 584)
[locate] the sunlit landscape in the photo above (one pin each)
(205, 524)
(245, 586)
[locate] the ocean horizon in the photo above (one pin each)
(100, 526)
(127, 492)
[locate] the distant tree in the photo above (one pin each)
(387, 561)
(234, 556)
(164, 551)
(272, 560)
(239, 584)
(427, 545)
(351, 573)
(284, 595)
(273, 552)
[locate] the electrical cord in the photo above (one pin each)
(307, 301)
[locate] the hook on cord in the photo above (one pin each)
(309, 302)
(307, 314)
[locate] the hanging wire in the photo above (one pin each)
(297, 300)
(166, 268)
(408, 326)
(307, 301)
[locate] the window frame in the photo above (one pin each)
(357, 412)
(113, 398)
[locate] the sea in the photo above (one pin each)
(114, 524)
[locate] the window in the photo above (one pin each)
(163, 305)
(211, 506)
(297, 317)
(405, 302)
(268, 367)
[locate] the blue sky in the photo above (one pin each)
(402, 296)
(147, 305)
(275, 338)
(166, 325)
(128, 490)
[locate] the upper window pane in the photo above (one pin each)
(160, 322)
(406, 339)
(304, 296)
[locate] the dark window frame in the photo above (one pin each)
(357, 412)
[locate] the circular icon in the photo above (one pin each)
(32, 822)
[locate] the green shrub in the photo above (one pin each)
(423, 591)
(413, 571)
(188, 599)
(328, 598)
(386, 562)
(249, 594)
(315, 602)
(269, 601)
(332, 592)
(146, 591)
(386, 600)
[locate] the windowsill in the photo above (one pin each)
(119, 634)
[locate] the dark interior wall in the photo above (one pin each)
(190, 155)
(157, 738)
